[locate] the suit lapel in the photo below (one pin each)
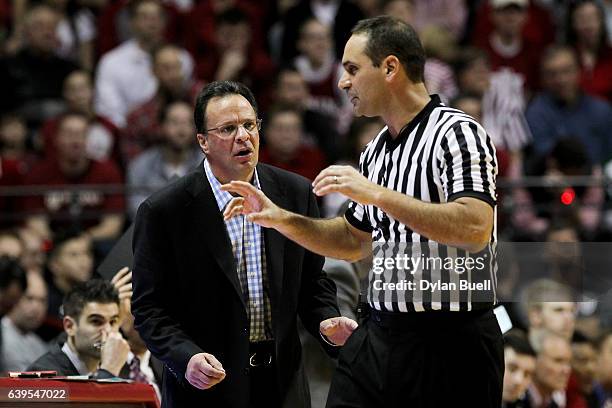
(274, 240)
(208, 226)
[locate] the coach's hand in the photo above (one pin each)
(253, 203)
(204, 371)
(338, 329)
(347, 181)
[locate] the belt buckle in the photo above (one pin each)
(253, 360)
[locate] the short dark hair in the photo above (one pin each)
(466, 58)
(232, 16)
(61, 237)
(12, 271)
(219, 89)
(571, 156)
(94, 290)
(133, 5)
(280, 108)
(555, 49)
(391, 36)
(517, 341)
(165, 108)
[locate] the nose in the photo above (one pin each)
(344, 82)
(241, 133)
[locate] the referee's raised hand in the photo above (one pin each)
(348, 181)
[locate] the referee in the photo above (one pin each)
(424, 202)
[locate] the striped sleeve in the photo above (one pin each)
(355, 213)
(467, 163)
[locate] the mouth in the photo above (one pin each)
(244, 154)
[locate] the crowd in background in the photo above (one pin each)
(96, 112)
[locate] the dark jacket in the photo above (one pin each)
(187, 298)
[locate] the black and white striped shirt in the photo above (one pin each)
(439, 156)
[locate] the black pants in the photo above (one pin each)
(262, 374)
(421, 360)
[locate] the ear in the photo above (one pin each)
(70, 326)
(203, 142)
(391, 66)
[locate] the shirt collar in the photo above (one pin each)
(75, 360)
(224, 197)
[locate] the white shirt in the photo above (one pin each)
(19, 350)
(146, 369)
(125, 80)
(75, 360)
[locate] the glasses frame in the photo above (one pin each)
(258, 123)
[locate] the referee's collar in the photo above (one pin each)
(409, 127)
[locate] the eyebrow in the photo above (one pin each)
(99, 316)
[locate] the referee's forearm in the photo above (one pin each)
(465, 223)
(327, 237)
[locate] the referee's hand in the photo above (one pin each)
(338, 329)
(347, 181)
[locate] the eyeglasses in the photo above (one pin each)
(231, 130)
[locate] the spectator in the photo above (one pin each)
(10, 244)
(440, 49)
(582, 384)
(33, 257)
(202, 21)
(96, 212)
(560, 198)
(234, 56)
(13, 141)
(506, 46)
(587, 34)
(550, 309)
(76, 32)
(143, 127)
(31, 80)
(125, 78)
(539, 29)
(70, 262)
(13, 283)
(20, 345)
(176, 156)
(93, 346)
(520, 362)
(448, 15)
(13, 165)
(102, 134)
(402, 9)
(285, 147)
(321, 71)
(563, 110)
(553, 367)
(502, 103)
(362, 131)
(604, 369)
(339, 15)
(291, 89)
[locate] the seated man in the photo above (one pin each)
(553, 367)
(520, 361)
(94, 346)
(20, 345)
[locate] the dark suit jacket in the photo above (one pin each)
(56, 360)
(187, 298)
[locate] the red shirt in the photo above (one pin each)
(598, 81)
(57, 202)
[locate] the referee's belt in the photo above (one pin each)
(408, 321)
